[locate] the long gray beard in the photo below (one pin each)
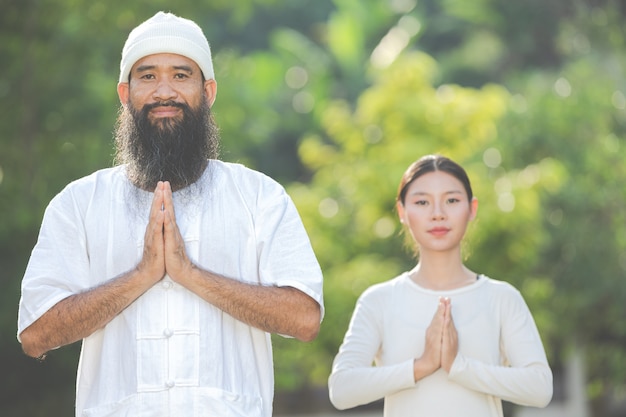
(168, 150)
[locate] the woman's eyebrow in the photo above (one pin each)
(426, 193)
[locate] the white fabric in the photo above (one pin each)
(170, 353)
(500, 352)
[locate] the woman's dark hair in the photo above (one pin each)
(432, 163)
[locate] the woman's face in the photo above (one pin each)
(436, 211)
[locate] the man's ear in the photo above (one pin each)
(210, 89)
(123, 93)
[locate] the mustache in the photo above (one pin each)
(166, 103)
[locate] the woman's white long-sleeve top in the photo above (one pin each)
(500, 357)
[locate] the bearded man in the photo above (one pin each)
(172, 267)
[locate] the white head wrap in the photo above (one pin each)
(167, 33)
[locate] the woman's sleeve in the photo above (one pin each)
(524, 377)
(354, 379)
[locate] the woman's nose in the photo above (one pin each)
(438, 212)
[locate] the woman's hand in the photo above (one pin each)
(450, 339)
(441, 345)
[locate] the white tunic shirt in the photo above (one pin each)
(500, 355)
(170, 353)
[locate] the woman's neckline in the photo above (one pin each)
(480, 278)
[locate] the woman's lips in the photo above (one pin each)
(438, 231)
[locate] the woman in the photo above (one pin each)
(445, 340)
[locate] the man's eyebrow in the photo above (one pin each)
(186, 68)
(143, 68)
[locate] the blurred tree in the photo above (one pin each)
(584, 128)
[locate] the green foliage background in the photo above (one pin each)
(334, 99)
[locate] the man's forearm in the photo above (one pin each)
(79, 315)
(282, 310)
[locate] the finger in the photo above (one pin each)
(168, 199)
(434, 333)
(169, 214)
(438, 318)
(449, 348)
(176, 260)
(157, 203)
(172, 234)
(155, 219)
(448, 311)
(157, 197)
(152, 260)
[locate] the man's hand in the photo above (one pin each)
(152, 264)
(177, 264)
(164, 247)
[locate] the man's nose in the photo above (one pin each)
(164, 91)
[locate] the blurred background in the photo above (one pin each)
(335, 99)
